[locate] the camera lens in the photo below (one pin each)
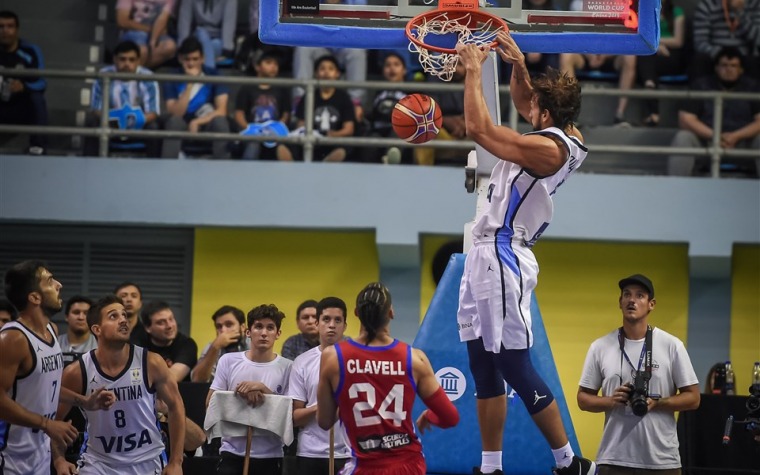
(639, 406)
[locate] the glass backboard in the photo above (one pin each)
(573, 26)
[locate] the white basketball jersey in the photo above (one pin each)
(127, 433)
(24, 449)
(519, 204)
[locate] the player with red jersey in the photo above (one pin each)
(372, 381)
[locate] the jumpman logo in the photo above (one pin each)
(537, 398)
(39, 350)
(489, 268)
(93, 381)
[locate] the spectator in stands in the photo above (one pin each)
(131, 295)
(394, 71)
(195, 106)
(741, 119)
(668, 61)
(333, 111)
(7, 312)
(726, 23)
(144, 22)
(352, 60)
(133, 104)
(179, 351)
(587, 65)
(261, 103)
(252, 46)
(313, 442)
(78, 339)
(213, 23)
(22, 100)
(537, 62)
(452, 106)
(229, 323)
(252, 374)
(308, 336)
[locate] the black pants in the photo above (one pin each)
(231, 464)
(26, 108)
(312, 466)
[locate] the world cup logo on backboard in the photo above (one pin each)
(452, 381)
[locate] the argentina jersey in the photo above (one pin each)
(520, 204)
(127, 433)
(24, 449)
(501, 271)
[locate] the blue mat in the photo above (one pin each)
(457, 450)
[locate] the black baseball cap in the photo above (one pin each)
(638, 279)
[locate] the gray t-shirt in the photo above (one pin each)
(648, 442)
(71, 352)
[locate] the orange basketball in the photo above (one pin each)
(416, 118)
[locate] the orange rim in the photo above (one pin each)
(475, 15)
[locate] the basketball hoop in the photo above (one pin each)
(460, 18)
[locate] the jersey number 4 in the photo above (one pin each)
(391, 408)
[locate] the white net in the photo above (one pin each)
(468, 28)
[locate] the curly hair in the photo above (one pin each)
(373, 305)
(266, 311)
(560, 94)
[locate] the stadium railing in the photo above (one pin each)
(309, 140)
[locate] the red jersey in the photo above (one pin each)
(375, 396)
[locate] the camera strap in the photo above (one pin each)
(645, 356)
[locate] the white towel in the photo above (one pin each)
(229, 415)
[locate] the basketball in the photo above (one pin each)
(416, 118)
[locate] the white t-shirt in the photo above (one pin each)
(648, 442)
(313, 442)
(233, 369)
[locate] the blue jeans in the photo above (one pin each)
(212, 47)
(140, 37)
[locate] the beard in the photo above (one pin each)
(51, 307)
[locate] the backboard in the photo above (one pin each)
(582, 26)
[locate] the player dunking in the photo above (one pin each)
(372, 380)
(31, 364)
(126, 439)
(500, 270)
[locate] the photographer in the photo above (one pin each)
(638, 382)
(229, 323)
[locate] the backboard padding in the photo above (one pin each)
(387, 33)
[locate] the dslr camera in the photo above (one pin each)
(639, 394)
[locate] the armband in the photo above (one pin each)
(441, 412)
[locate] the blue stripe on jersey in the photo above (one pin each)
(505, 233)
(373, 348)
(85, 439)
(341, 376)
(409, 370)
(4, 428)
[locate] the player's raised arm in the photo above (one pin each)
(520, 87)
(441, 412)
(541, 155)
(168, 392)
(328, 374)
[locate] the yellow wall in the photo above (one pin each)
(578, 296)
(246, 268)
(745, 314)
